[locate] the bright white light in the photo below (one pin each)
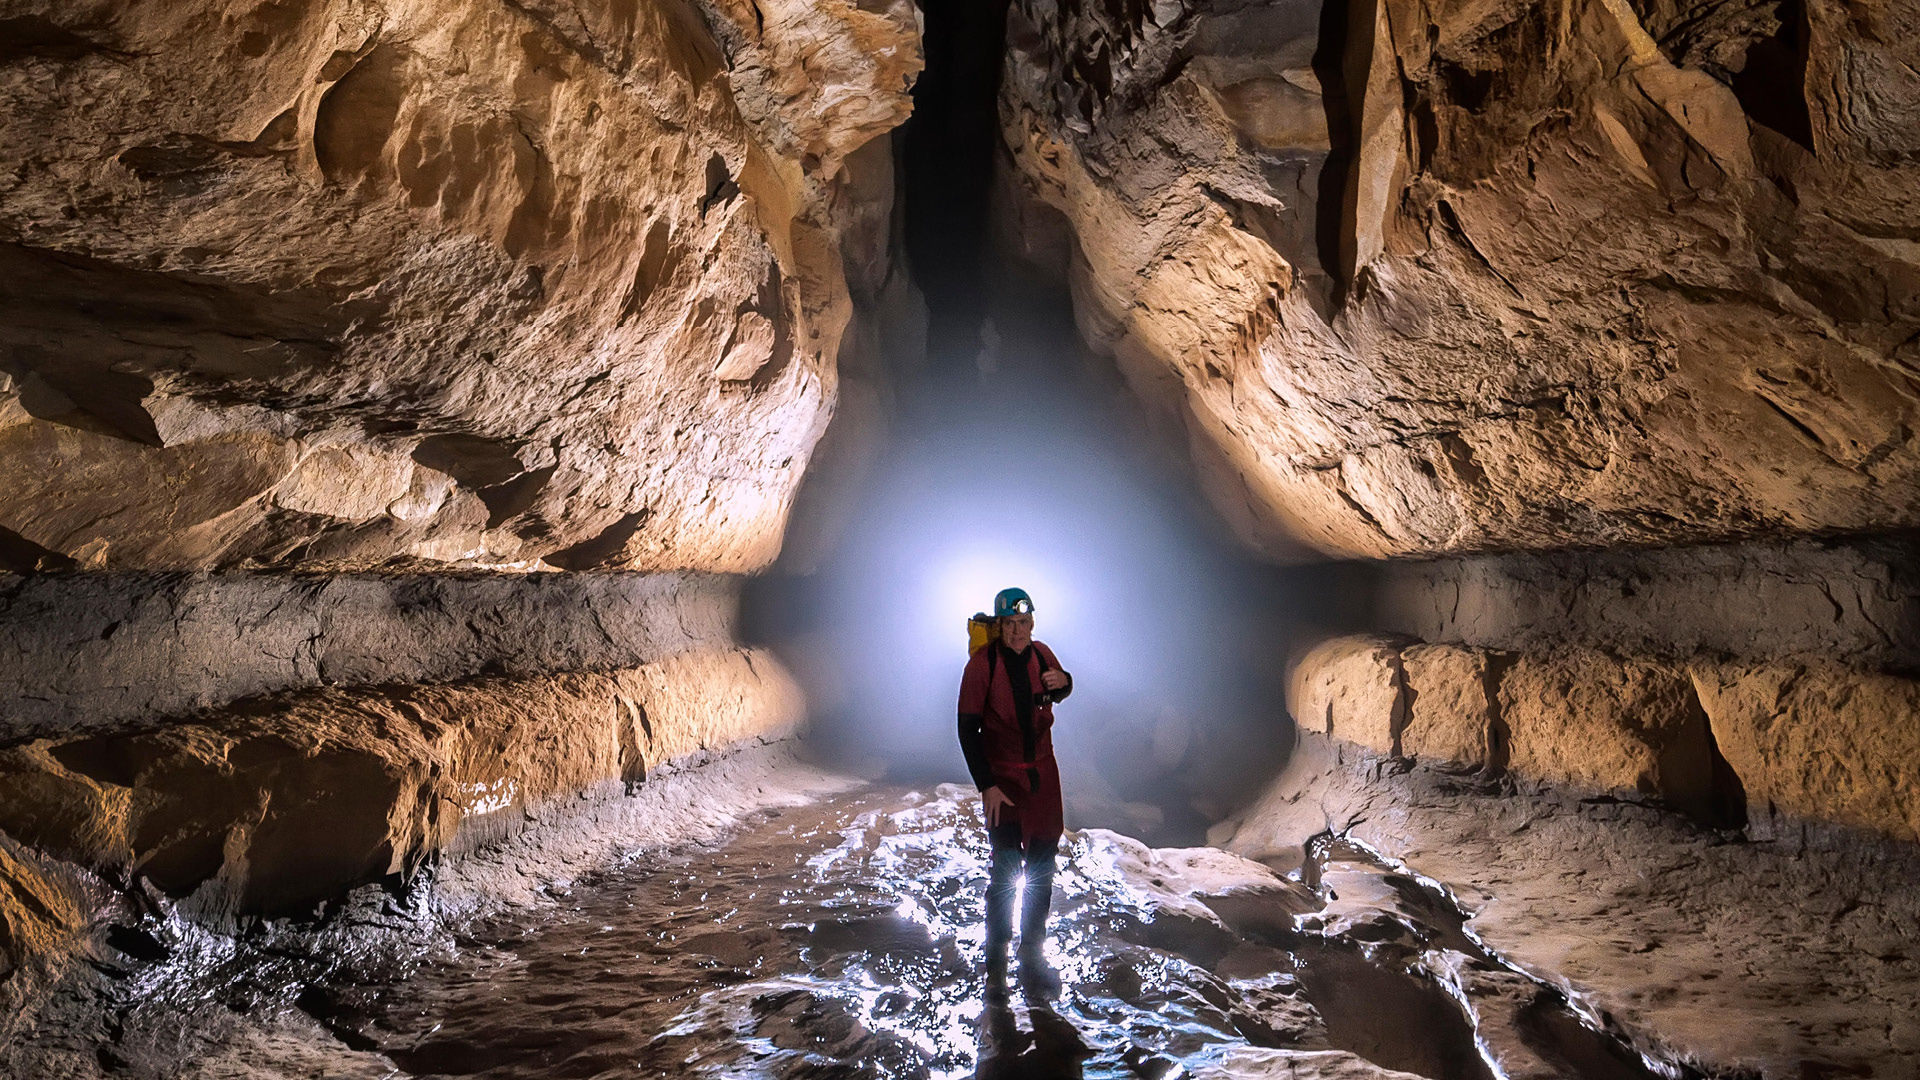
(1028, 492)
(970, 578)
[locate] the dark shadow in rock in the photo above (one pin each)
(1202, 943)
(601, 548)
(1553, 1032)
(92, 399)
(1390, 1016)
(476, 461)
(19, 555)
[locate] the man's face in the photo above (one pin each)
(1016, 631)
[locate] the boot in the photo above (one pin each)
(1034, 905)
(996, 973)
(1035, 973)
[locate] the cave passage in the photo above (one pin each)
(1014, 457)
(492, 494)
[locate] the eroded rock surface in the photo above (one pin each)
(1818, 741)
(1775, 746)
(1855, 602)
(96, 653)
(44, 912)
(275, 805)
(496, 283)
(1772, 959)
(159, 994)
(1418, 279)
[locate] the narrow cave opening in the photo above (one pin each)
(1015, 457)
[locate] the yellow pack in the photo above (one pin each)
(981, 629)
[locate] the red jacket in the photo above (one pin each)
(991, 730)
(1011, 747)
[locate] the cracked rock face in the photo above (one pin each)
(1773, 746)
(1419, 279)
(274, 805)
(437, 285)
(1776, 958)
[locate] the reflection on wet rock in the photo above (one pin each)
(844, 939)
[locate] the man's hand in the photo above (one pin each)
(1053, 680)
(996, 801)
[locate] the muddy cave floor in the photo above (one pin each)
(843, 938)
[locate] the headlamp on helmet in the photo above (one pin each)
(1012, 602)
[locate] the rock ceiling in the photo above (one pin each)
(343, 284)
(1417, 278)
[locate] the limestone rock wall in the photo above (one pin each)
(1417, 279)
(327, 330)
(274, 805)
(1855, 602)
(94, 653)
(330, 285)
(1772, 747)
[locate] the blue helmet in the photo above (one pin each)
(1012, 602)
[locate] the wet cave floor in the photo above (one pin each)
(843, 939)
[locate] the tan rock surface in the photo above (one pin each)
(1846, 601)
(1818, 742)
(1770, 960)
(1352, 689)
(1453, 709)
(103, 653)
(1501, 275)
(1576, 718)
(273, 805)
(1608, 724)
(477, 284)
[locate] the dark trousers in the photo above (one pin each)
(1010, 860)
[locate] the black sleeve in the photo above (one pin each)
(1061, 694)
(973, 743)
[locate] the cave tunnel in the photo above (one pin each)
(496, 492)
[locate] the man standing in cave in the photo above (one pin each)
(1006, 726)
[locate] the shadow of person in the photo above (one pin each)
(1057, 1045)
(1000, 1044)
(1039, 982)
(1052, 1051)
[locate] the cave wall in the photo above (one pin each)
(483, 284)
(89, 654)
(1423, 279)
(1593, 322)
(391, 399)
(1786, 670)
(275, 805)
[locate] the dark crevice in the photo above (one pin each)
(19, 555)
(1726, 806)
(1499, 733)
(25, 36)
(1772, 84)
(949, 148)
(1330, 64)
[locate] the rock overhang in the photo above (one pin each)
(1499, 278)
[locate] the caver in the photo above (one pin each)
(1006, 724)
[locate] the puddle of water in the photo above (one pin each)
(844, 939)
